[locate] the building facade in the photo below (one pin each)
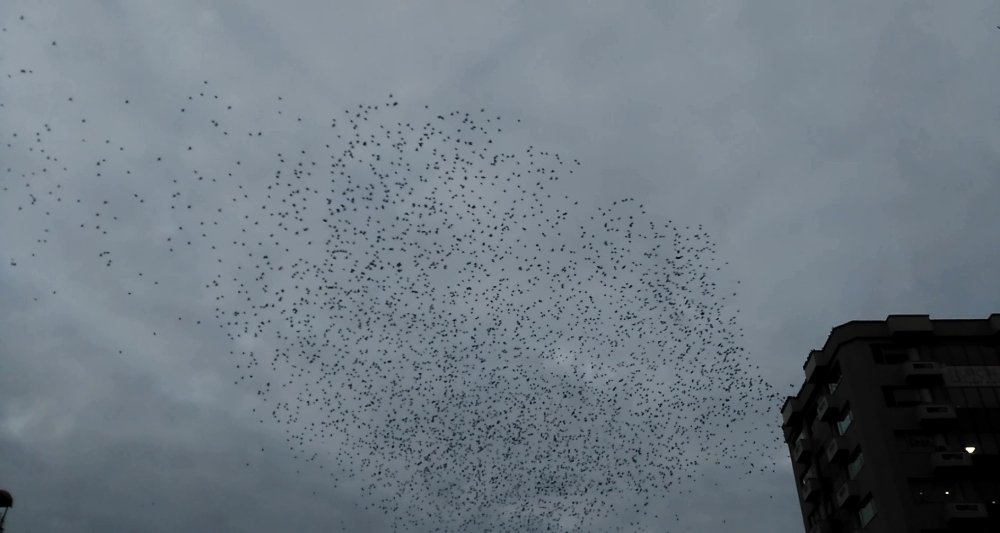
(896, 428)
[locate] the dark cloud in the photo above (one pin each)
(816, 157)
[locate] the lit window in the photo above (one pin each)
(867, 512)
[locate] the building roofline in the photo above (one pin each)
(900, 324)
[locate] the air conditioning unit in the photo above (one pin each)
(958, 512)
(935, 413)
(922, 372)
(847, 494)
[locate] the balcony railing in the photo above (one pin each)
(935, 413)
(922, 372)
(964, 511)
(828, 407)
(837, 450)
(791, 411)
(811, 489)
(949, 461)
(847, 494)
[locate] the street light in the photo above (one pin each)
(6, 501)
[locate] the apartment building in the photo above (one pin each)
(896, 428)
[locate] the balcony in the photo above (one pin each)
(802, 451)
(816, 367)
(963, 512)
(847, 494)
(790, 432)
(917, 372)
(944, 462)
(937, 413)
(828, 407)
(837, 450)
(811, 489)
(791, 412)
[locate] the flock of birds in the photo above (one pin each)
(429, 321)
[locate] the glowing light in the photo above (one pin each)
(970, 449)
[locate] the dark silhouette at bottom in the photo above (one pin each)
(6, 501)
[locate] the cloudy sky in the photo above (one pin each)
(844, 159)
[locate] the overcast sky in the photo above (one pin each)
(844, 159)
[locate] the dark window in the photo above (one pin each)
(827, 511)
(990, 356)
(903, 396)
(918, 440)
(989, 397)
(835, 376)
(890, 355)
(973, 397)
(855, 465)
(867, 511)
(845, 420)
(810, 474)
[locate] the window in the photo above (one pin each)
(855, 465)
(918, 440)
(845, 421)
(810, 474)
(989, 397)
(835, 376)
(867, 511)
(892, 355)
(926, 396)
(902, 396)
(813, 517)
